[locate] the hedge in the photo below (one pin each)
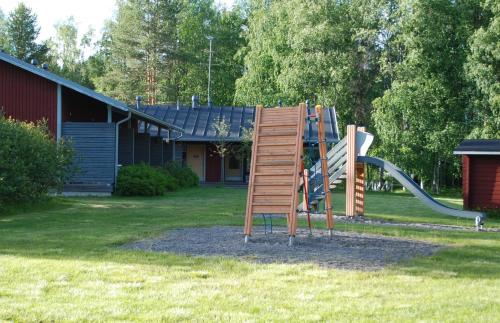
(31, 162)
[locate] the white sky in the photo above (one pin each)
(86, 12)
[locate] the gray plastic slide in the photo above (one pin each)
(415, 189)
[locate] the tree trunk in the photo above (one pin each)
(223, 174)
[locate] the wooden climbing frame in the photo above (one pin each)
(276, 164)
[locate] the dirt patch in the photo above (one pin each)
(345, 250)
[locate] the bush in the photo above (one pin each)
(184, 175)
(31, 162)
(144, 180)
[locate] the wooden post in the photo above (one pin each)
(350, 207)
(298, 164)
(324, 167)
(249, 211)
(360, 189)
(360, 185)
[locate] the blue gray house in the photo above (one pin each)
(195, 146)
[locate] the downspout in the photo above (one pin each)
(117, 134)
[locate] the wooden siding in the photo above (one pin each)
(484, 182)
(180, 153)
(126, 146)
(142, 148)
(94, 145)
(156, 151)
(167, 152)
(27, 97)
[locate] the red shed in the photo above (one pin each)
(481, 173)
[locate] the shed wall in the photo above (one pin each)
(484, 182)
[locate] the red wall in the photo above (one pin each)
(466, 180)
(213, 164)
(482, 184)
(27, 97)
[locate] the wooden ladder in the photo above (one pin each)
(276, 165)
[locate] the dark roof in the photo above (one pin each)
(79, 88)
(198, 122)
(478, 147)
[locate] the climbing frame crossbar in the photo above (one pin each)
(276, 164)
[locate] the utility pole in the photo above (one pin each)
(210, 38)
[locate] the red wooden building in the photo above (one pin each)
(481, 173)
(102, 130)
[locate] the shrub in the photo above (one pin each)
(31, 162)
(143, 180)
(184, 175)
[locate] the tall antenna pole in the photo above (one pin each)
(210, 38)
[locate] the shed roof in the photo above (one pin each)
(81, 89)
(478, 147)
(198, 123)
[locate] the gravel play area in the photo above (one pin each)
(346, 250)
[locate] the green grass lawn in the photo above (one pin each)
(61, 262)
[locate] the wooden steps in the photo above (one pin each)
(276, 164)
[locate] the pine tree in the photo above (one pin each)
(22, 31)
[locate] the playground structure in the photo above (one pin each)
(277, 171)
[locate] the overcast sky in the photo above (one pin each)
(86, 12)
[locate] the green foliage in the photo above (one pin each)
(3, 32)
(483, 69)
(184, 176)
(22, 32)
(420, 117)
(166, 59)
(67, 54)
(143, 180)
(319, 50)
(493, 213)
(31, 163)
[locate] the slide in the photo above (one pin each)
(415, 189)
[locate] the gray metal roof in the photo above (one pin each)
(82, 89)
(198, 123)
(478, 147)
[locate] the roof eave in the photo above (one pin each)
(472, 152)
(155, 121)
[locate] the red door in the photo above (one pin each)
(213, 172)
